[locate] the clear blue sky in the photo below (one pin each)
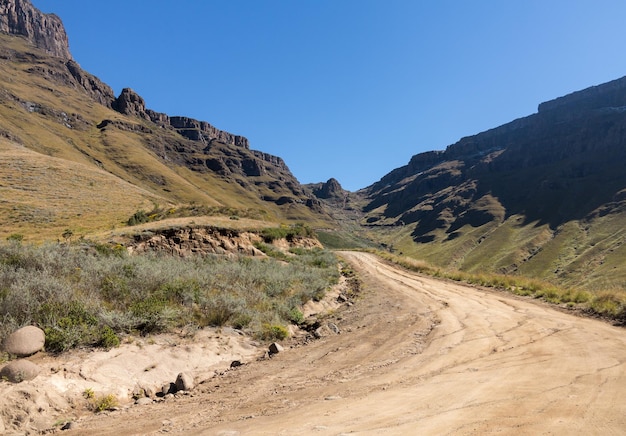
(349, 89)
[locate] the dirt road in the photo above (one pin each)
(415, 356)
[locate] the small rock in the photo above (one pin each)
(334, 328)
(149, 391)
(143, 401)
(19, 371)
(68, 426)
(342, 298)
(184, 382)
(168, 388)
(276, 348)
(25, 341)
(235, 363)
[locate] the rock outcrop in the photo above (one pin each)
(330, 189)
(197, 240)
(132, 104)
(205, 132)
(607, 95)
(203, 240)
(97, 89)
(45, 31)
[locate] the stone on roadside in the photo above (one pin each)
(19, 371)
(144, 401)
(168, 388)
(69, 426)
(25, 341)
(333, 327)
(275, 348)
(184, 382)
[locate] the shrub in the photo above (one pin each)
(103, 402)
(152, 315)
(68, 326)
(608, 304)
(273, 332)
(108, 338)
(15, 237)
(138, 217)
(296, 316)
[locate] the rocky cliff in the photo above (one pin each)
(131, 103)
(45, 31)
(50, 105)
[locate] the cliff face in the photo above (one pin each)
(45, 31)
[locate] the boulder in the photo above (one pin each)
(184, 382)
(19, 371)
(25, 341)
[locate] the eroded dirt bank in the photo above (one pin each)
(415, 356)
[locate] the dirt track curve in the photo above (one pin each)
(416, 356)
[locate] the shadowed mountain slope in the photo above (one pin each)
(543, 195)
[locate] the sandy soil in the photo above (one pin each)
(415, 355)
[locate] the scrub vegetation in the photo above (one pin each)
(86, 294)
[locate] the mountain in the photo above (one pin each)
(75, 155)
(543, 195)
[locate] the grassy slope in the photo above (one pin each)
(41, 196)
(576, 254)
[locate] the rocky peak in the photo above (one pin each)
(330, 189)
(130, 103)
(45, 31)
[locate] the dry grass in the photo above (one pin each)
(41, 196)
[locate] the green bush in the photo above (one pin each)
(138, 217)
(108, 338)
(103, 402)
(273, 332)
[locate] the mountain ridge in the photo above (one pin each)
(542, 195)
(50, 105)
